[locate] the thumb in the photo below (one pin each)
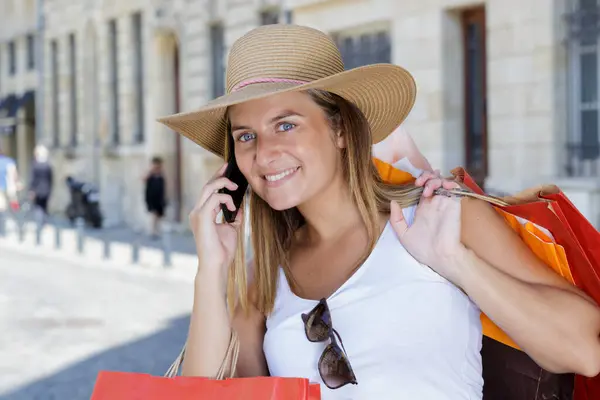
(397, 219)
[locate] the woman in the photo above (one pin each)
(341, 256)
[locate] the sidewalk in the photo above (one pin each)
(115, 247)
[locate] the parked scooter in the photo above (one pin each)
(85, 203)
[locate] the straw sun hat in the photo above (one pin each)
(274, 59)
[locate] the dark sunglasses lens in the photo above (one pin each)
(317, 323)
(335, 368)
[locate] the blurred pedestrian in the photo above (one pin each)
(156, 198)
(40, 185)
(8, 182)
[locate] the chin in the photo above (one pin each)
(281, 204)
(278, 201)
(281, 197)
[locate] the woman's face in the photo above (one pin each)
(286, 149)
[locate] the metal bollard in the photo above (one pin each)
(2, 224)
(106, 249)
(135, 246)
(39, 223)
(21, 226)
(57, 236)
(80, 225)
(166, 243)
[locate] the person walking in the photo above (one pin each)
(8, 181)
(155, 194)
(40, 185)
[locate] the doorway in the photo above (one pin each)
(475, 93)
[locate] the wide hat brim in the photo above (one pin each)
(385, 93)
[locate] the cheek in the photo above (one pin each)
(244, 162)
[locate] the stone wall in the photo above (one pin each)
(524, 84)
(525, 65)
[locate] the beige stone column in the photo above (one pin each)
(162, 86)
(24, 154)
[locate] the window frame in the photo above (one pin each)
(577, 163)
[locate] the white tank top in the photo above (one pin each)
(408, 332)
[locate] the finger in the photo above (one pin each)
(214, 186)
(427, 176)
(397, 220)
(215, 200)
(431, 186)
(423, 178)
(449, 184)
(239, 218)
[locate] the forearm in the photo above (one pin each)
(556, 327)
(210, 328)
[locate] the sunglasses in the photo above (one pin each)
(334, 366)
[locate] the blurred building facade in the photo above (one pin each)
(507, 88)
(18, 81)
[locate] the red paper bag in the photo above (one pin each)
(112, 385)
(550, 208)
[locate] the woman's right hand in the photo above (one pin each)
(215, 242)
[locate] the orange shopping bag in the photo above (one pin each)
(573, 253)
(112, 385)
(565, 241)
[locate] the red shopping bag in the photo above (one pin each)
(572, 250)
(112, 385)
(548, 207)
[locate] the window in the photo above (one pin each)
(366, 48)
(217, 41)
(138, 75)
(73, 88)
(12, 58)
(30, 51)
(54, 93)
(583, 146)
(114, 80)
(269, 17)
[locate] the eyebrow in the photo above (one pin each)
(282, 115)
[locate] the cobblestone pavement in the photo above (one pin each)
(63, 322)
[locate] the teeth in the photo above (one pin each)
(281, 175)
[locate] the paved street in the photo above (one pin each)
(63, 322)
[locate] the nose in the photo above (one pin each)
(267, 151)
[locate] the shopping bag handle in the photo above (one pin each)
(227, 367)
(460, 192)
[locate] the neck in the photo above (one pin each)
(331, 213)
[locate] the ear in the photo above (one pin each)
(340, 139)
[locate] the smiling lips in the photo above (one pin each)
(280, 175)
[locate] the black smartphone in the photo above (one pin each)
(233, 173)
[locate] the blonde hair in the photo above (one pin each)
(272, 231)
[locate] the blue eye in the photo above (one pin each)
(286, 126)
(246, 137)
